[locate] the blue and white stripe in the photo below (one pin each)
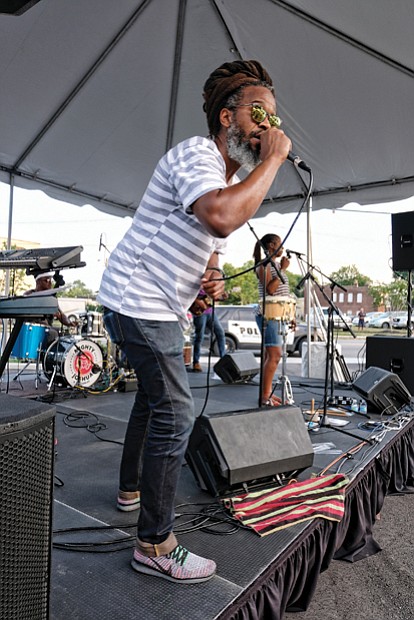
(154, 272)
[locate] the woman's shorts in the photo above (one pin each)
(272, 337)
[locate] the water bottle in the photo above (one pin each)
(362, 407)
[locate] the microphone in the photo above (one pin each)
(300, 284)
(297, 161)
(96, 369)
(100, 243)
(290, 252)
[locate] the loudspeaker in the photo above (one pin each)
(237, 367)
(26, 488)
(393, 354)
(16, 7)
(227, 451)
(384, 392)
(402, 225)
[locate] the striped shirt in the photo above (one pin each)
(282, 289)
(155, 270)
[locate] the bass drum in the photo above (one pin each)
(73, 361)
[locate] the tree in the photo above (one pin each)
(392, 296)
(17, 278)
(78, 289)
(349, 275)
(241, 289)
(294, 280)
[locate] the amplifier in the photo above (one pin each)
(229, 451)
(26, 491)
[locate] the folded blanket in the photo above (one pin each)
(276, 508)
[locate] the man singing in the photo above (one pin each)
(194, 200)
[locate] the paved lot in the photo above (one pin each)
(380, 587)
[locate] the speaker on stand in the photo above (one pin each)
(402, 225)
(403, 253)
(26, 494)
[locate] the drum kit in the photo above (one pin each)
(72, 360)
(282, 308)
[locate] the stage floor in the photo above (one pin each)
(97, 581)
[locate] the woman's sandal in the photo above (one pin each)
(272, 401)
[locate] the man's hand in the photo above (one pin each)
(213, 284)
(274, 143)
(199, 306)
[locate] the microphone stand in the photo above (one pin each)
(409, 303)
(330, 348)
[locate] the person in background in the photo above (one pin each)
(361, 319)
(43, 282)
(194, 200)
(203, 316)
(275, 282)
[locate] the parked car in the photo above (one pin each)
(241, 331)
(340, 322)
(369, 317)
(383, 321)
(400, 321)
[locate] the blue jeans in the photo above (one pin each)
(161, 419)
(273, 336)
(214, 325)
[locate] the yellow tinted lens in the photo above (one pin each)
(258, 113)
(274, 120)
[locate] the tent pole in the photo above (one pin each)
(308, 286)
(6, 325)
(9, 233)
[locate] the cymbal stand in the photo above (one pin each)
(55, 365)
(52, 378)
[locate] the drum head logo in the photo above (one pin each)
(83, 363)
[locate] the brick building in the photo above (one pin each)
(348, 302)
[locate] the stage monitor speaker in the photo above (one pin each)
(384, 392)
(26, 493)
(237, 367)
(228, 451)
(402, 225)
(16, 7)
(393, 353)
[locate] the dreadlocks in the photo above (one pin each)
(227, 81)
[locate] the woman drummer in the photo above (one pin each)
(275, 281)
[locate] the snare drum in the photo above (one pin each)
(279, 308)
(73, 361)
(29, 341)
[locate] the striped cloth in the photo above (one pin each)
(269, 510)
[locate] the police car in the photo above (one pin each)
(241, 331)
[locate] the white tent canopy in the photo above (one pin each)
(94, 91)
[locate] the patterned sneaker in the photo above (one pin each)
(128, 500)
(178, 564)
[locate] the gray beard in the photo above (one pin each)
(240, 150)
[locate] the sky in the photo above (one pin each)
(353, 235)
